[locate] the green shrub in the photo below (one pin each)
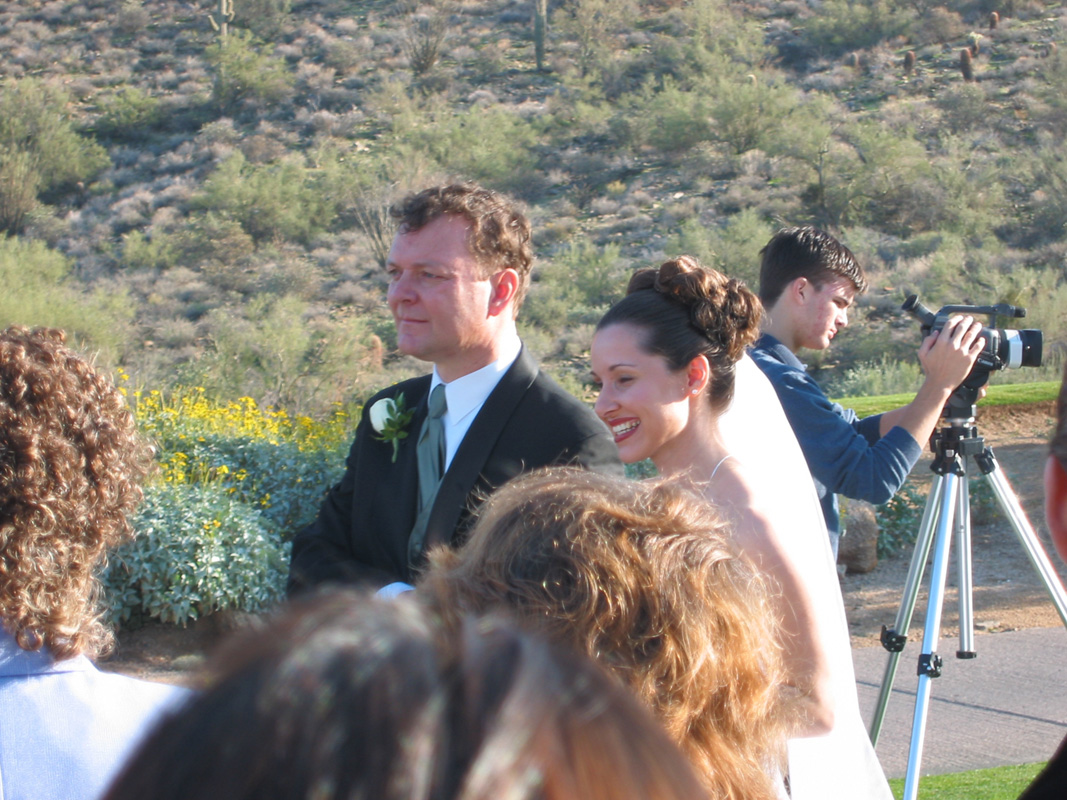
(273, 462)
(275, 349)
(898, 520)
(671, 120)
(125, 114)
(576, 286)
(197, 550)
(38, 290)
(732, 248)
(141, 252)
(33, 117)
(593, 25)
(750, 112)
(873, 378)
(20, 181)
(490, 145)
(263, 17)
(243, 72)
(41, 154)
(1047, 169)
(964, 106)
(843, 25)
(283, 200)
(424, 39)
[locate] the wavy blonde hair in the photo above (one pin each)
(70, 467)
(642, 577)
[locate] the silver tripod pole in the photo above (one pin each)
(1009, 503)
(947, 510)
(929, 661)
(893, 639)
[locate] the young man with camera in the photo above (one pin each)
(808, 281)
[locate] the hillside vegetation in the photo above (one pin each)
(199, 193)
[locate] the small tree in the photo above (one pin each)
(425, 37)
(42, 154)
(243, 72)
(263, 17)
(20, 181)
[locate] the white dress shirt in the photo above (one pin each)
(465, 396)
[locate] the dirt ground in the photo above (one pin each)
(1007, 594)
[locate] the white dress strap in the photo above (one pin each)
(721, 462)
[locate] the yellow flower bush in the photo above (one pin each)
(235, 481)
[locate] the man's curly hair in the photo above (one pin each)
(499, 235)
(70, 470)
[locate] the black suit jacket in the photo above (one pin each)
(361, 533)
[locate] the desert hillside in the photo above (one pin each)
(197, 188)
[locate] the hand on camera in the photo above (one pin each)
(948, 356)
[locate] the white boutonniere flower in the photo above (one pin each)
(390, 418)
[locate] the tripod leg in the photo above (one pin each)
(929, 661)
(966, 579)
(893, 640)
(1009, 503)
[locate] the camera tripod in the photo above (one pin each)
(947, 510)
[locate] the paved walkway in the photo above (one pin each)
(1007, 706)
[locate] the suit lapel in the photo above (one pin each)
(474, 450)
(402, 478)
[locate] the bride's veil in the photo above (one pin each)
(755, 431)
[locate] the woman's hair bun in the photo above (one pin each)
(726, 311)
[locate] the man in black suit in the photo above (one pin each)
(458, 271)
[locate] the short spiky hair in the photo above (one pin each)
(805, 253)
(500, 234)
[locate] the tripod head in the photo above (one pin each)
(961, 403)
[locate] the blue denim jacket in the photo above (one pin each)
(846, 455)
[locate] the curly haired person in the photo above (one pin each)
(641, 577)
(70, 466)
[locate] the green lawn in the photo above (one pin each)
(1009, 394)
(1000, 783)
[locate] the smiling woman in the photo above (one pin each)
(666, 357)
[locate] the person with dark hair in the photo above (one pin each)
(428, 450)
(347, 696)
(808, 281)
(1051, 783)
(644, 579)
(677, 388)
(70, 470)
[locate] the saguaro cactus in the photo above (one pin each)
(540, 30)
(966, 64)
(222, 24)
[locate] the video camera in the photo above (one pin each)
(1004, 348)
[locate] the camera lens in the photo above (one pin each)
(1021, 348)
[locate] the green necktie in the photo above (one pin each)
(430, 452)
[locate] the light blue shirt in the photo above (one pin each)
(66, 727)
